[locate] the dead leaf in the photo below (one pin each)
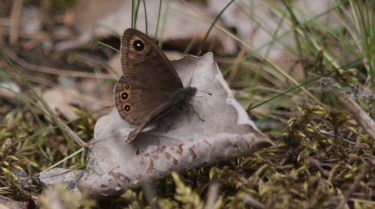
(180, 142)
(59, 100)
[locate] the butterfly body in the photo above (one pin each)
(150, 87)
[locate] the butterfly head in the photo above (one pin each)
(191, 91)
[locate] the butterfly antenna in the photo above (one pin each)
(209, 93)
(191, 79)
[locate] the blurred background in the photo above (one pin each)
(281, 58)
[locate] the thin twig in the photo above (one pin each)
(14, 21)
(71, 134)
(63, 160)
(212, 195)
(74, 93)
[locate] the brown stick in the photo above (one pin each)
(366, 122)
(362, 118)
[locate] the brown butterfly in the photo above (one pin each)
(150, 87)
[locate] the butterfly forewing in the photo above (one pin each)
(140, 55)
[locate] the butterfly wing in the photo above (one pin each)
(180, 101)
(149, 81)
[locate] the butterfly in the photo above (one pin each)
(150, 87)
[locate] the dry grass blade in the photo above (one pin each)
(49, 70)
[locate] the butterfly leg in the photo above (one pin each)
(192, 107)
